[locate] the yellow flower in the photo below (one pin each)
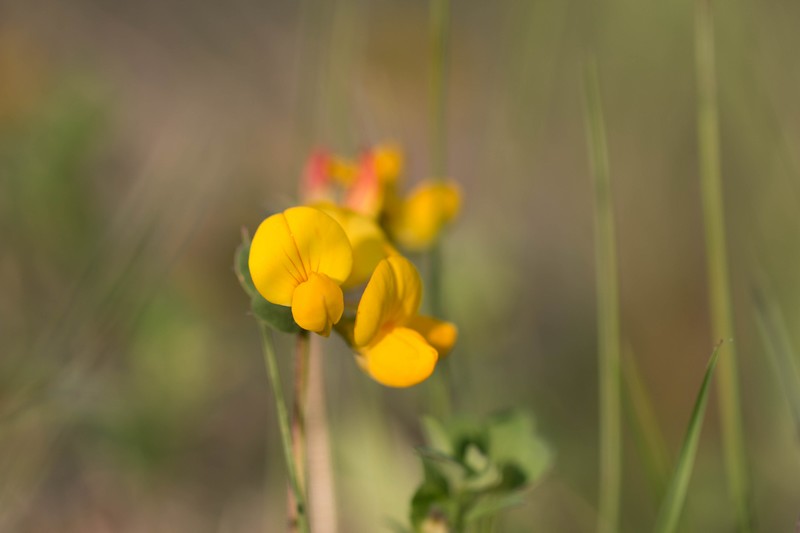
(376, 180)
(367, 239)
(299, 258)
(397, 347)
(388, 161)
(420, 217)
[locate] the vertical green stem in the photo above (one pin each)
(440, 36)
(607, 312)
(298, 517)
(718, 278)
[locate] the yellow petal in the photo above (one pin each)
(440, 334)
(317, 304)
(391, 297)
(424, 213)
(367, 240)
(321, 242)
(388, 160)
(401, 358)
(289, 246)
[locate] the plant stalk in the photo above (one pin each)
(300, 393)
(718, 276)
(298, 519)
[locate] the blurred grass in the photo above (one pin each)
(608, 322)
(733, 445)
(672, 505)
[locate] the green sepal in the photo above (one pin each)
(278, 317)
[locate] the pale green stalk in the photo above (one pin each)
(718, 277)
(607, 312)
(286, 438)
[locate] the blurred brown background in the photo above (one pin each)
(137, 138)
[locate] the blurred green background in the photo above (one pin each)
(137, 138)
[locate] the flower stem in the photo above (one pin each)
(299, 392)
(321, 486)
(298, 520)
(718, 277)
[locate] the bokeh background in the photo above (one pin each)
(138, 138)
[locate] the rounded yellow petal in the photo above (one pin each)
(391, 297)
(367, 240)
(289, 246)
(401, 358)
(424, 213)
(275, 264)
(317, 304)
(440, 334)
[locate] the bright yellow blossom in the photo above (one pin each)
(367, 239)
(300, 258)
(397, 347)
(388, 161)
(421, 216)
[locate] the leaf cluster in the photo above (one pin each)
(475, 469)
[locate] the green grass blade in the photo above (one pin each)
(607, 311)
(716, 254)
(647, 432)
(671, 507)
(779, 350)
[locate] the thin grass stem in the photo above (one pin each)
(670, 512)
(716, 252)
(607, 311)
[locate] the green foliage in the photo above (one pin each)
(475, 469)
(671, 507)
(277, 317)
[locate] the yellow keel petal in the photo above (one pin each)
(401, 358)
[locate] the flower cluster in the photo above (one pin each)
(334, 261)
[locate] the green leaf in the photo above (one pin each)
(491, 506)
(671, 508)
(513, 443)
(436, 435)
(431, 498)
(442, 465)
(241, 267)
(277, 317)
